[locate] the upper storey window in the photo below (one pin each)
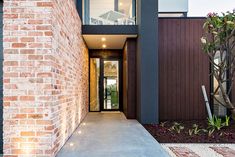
(109, 12)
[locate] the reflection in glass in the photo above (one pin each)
(111, 86)
(109, 12)
(219, 110)
(94, 84)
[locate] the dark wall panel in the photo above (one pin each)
(129, 78)
(147, 62)
(183, 68)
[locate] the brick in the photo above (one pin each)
(44, 4)
(44, 74)
(43, 27)
(11, 27)
(20, 116)
(27, 16)
(43, 133)
(13, 74)
(27, 27)
(27, 133)
(35, 33)
(10, 16)
(35, 57)
(10, 51)
(6, 81)
(35, 45)
(35, 21)
(18, 45)
(43, 122)
(10, 86)
(6, 104)
(27, 39)
(18, 139)
(27, 51)
(35, 116)
(49, 33)
(27, 98)
(10, 98)
(224, 151)
(27, 110)
(49, 128)
(17, 10)
(11, 63)
(183, 151)
(10, 39)
(26, 151)
(33, 139)
(27, 122)
(27, 74)
(27, 63)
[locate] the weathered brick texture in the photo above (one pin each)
(45, 76)
(70, 72)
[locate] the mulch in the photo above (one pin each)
(163, 135)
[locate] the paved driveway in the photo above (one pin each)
(200, 149)
(111, 135)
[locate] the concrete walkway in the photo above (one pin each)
(111, 135)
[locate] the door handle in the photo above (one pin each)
(105, 90)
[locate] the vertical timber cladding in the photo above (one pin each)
(129, 78)
(183, 68)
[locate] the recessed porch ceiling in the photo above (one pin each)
(106, 41)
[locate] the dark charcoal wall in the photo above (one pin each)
(129, 78)
(183, 69)
(147, 61)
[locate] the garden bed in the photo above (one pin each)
(164, 133)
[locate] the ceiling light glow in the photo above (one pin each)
(104, 46)
(103, 39)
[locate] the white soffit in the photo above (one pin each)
(110, 41)
(172, 6)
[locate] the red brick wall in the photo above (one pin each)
(45, 76)
(70, 72)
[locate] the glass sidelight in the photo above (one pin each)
(104, 84)
(94, 84)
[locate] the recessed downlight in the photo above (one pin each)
(120, 4)
(104, 46)
(103, 39)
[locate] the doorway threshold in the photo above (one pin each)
(110, 112)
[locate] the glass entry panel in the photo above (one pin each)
(111, 85)
(104, 84)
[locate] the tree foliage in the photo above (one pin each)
(219, 42)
